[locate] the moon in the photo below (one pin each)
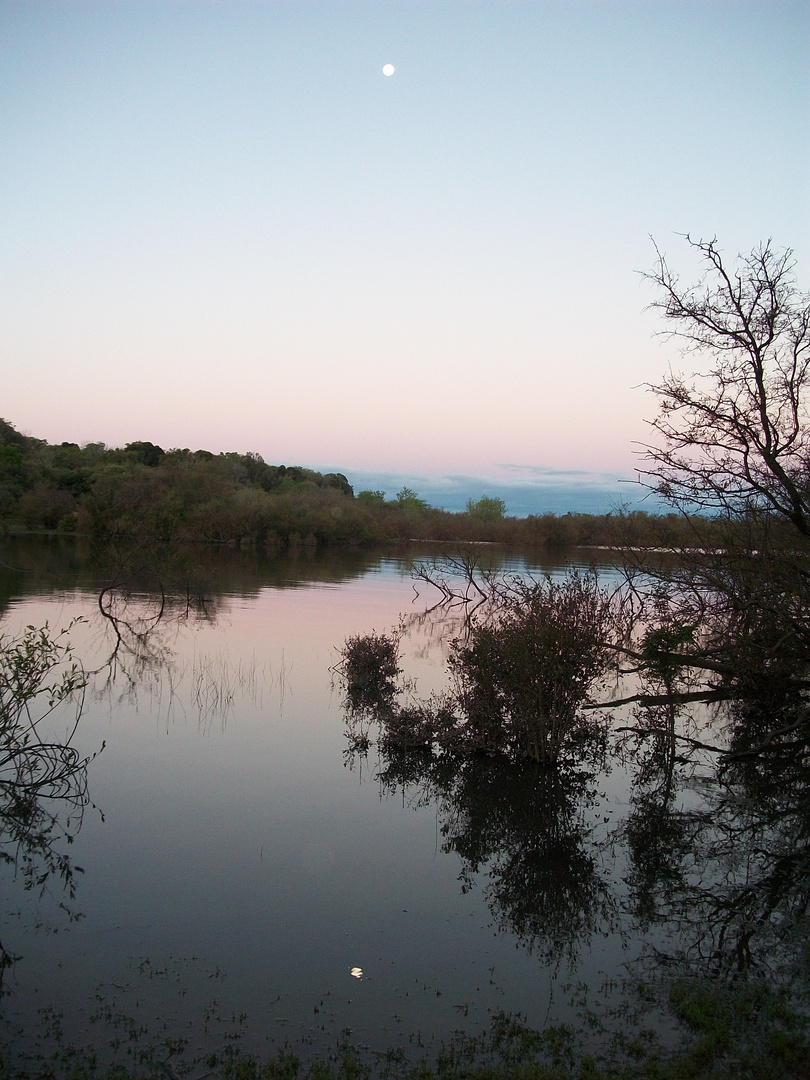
(388, 70)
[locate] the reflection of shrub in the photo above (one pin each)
(370, 667)
(523, 676)
(523, 835)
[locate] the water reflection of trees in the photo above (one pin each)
(43, 777)
(524, 834)
(65, 563)
(138, 626)
(720, 859)
(135, 640)
(716, 855)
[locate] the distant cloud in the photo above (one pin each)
(526, 489)
(542, 472)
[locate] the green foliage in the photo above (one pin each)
(487, 509)
(10, 435)
(748, 1035)
(141, 492)
(14, 477)
(339, 482)
(29, 666)
(410, 501)
(145, 452)
(746, 1031)
(144, 493)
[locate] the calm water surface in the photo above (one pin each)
(238, 864)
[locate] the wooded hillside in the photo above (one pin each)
(141, 490)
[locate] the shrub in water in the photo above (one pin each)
(370, 667)
(524, 673)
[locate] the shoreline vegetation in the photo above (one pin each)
(142, 492)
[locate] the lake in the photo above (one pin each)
(246, 878)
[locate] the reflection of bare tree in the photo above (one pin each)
(149, 594)
(141, 614)
(463, 579)
(524, 830)
(462, 583)
(655, 832)
(145, 593)
(135, 625)
(724, 871)
(43, 777)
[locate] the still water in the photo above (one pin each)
(245, 876)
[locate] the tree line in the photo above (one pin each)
(141, 491)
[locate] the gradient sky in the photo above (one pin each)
(221, 225)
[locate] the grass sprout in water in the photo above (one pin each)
(217, 683)
(143, 660)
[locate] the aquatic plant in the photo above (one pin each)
(369, 667)
(43, 777)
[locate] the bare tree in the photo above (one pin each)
(735, 438)
(731, 447)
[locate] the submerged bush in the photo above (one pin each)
(369, 667)
(421, 725)
(523, 675)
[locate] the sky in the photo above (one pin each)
(223, 227)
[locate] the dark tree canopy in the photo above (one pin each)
(146, 453)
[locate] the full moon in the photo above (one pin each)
(388, 69)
